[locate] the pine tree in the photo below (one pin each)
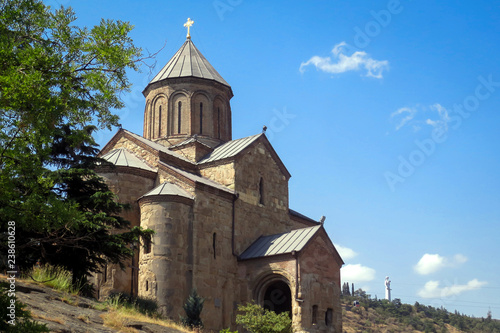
(193, 308)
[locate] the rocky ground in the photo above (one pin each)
(67, 313)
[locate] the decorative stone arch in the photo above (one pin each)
(147, 119)
(159, 109)
(222, 118)
(202, 113)
(274, 292)
(175, 110)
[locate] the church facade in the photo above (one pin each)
(219, 208)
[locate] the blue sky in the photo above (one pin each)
(385, 112)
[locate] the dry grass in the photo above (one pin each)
(53, 319)
(115, 320)
(137, 316)
(84, 318)
(120, 317)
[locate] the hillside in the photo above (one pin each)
(71, 313)
(64, 313)
(383, 316)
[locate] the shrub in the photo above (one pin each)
(227, 330)
(256, 319)
(193, 308)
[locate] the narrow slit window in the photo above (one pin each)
(329, 317)
(147, 244)
(147, 285)
(159, 122)
(314, 314)
(261, 191)
(201, 118)
(218, 122)
(214, 242)
(151, 122)
(179, 112)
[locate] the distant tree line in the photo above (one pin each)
(421, 317)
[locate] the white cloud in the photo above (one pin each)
(410, 114)
(343, 63)
(432, 290)
(357, 273)
(430, 263)
(345, 252)
(443, 120)
(460, 259)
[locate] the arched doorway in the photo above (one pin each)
(278, 297)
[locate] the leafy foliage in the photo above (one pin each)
(58, 83)
(193, 308)
(23, 322)
(256, 319)
(421, 317)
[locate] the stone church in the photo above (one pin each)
(219, 209)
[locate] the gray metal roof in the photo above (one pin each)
(168, 189)
(287, 242)
(229, 149)
(122, 157)
(189, 62)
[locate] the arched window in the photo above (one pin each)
(261, 191)
(214, 242)
(159, 122)
(201, 118)
(179, 111)
(315, 314)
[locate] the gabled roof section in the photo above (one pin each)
(229, 149)
(122, 157)
(189, 62)
(287, 242)
(168, 189)
(197, 179)
(232, 148)
(188, 141)
(157, 149)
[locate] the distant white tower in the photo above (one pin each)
(387, 289)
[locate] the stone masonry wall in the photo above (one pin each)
(148, 157)
(165, 273)
(190, 92)
(221, 173)
(128, 187)
(320, 285)
(254, 218)
(214, 267)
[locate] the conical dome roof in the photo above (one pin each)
(189, 62)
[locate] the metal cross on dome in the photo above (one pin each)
(188, 25)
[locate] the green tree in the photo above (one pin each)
(56, 80)
(256, 319)
(193, 308)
